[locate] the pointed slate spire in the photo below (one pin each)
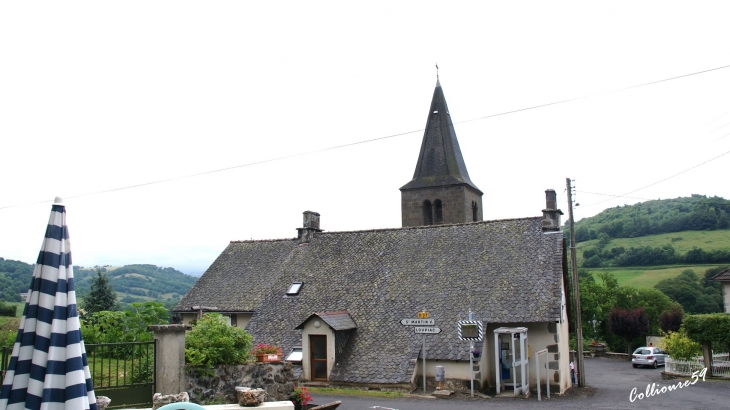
(440, 162)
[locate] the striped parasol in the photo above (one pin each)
(48, 368)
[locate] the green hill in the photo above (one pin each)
(644, 244)
(131, 282)
(695, 213)
(138, 282)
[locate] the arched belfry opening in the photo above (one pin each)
(427, 213)
(438, 211)
(440, 173)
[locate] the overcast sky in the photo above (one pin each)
(100, 100)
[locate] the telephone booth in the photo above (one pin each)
(511, 359)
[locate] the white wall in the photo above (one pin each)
(310, 329)
(726, 295)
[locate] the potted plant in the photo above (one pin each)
(476, 353)
(267, 353)
(300, 397)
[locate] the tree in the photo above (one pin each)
(671, 320)
(679, 346)
(213, 341)
(628, 324)
(712, 328)
(129, 325)
(101, 297)
(694, 294)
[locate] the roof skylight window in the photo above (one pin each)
(294, 289)
(296, 355)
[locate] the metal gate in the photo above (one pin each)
(124, 372)
(5, 353)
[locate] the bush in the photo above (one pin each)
(9, 332)
(679, 346)
(212, 342)
(8, 309)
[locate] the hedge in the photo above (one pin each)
(714, 327)
(8, 310)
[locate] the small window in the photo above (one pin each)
(294, 289)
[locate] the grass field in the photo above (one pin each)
(681, 241)
(647, 277)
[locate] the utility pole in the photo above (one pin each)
(576, 292)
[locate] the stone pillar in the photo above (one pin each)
(170, 358)
(707, 356)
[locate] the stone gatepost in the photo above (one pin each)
(170, 361)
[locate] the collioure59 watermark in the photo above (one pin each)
(653, 390)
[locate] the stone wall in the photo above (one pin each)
(619, 356)
(219, 386)
(456, 201)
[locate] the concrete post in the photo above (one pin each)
(170, 358)
(707, 356)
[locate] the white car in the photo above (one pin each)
(648, 356)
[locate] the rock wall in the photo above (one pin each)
(218, 386)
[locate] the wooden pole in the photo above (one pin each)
(576, 292)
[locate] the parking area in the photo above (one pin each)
(611, 383)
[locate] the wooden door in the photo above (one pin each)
(318, 357)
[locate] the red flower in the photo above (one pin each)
(301, 396)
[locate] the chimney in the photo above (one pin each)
(311, 226)
(551, 213)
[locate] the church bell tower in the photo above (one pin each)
(440, 191)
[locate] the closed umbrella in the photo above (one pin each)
(48, 369)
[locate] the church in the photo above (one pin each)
(338, 303)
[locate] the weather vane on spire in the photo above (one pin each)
(437, 71)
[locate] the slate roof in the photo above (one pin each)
(506, 271)
(239, 279)
(440, 162)
(723, 276)
(340, 320)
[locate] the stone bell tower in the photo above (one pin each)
(440, 191)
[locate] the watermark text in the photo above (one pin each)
(653, 390)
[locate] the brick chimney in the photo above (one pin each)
(551, 213)
(311, 226)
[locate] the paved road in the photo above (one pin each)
(610, 385)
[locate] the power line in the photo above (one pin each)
(612, 195)
(378, 139)
(662, 180)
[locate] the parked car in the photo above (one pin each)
(648, 356)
